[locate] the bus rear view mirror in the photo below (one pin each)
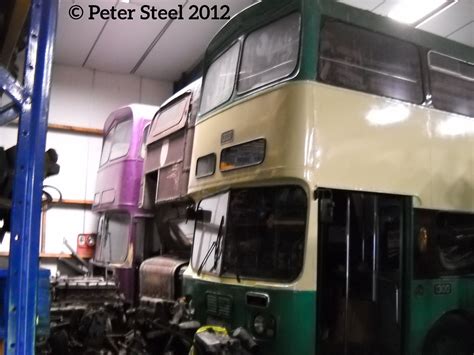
(198, 215)
(203, 215)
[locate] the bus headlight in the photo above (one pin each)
(264, 325)
(259, 324)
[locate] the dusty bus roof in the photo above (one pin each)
(313, 11)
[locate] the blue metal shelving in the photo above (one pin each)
(31, 104)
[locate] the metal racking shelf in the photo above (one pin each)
(30, 101)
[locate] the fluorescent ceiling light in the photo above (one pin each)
(419, 11)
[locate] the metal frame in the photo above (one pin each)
(31, 103)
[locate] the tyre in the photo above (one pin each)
(452, 335)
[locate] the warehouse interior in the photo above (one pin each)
(103, 64)
(96, 71)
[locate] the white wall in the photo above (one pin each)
(83, 97)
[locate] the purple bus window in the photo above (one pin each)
(145, 137)
(121, 142)
(106, 147)
(117, 142)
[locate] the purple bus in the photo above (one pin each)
(122, 242)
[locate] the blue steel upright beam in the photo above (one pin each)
(29, 169)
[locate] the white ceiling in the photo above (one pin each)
(163, 50)
(456, 22)
(150, 48)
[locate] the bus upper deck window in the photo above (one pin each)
(358, 59)
(121, 141)
(270, 53)
(220, 79)
(452, 84)
(170, 118)
(144, 139)
(107, 146)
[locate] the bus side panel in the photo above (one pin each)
(430, 300)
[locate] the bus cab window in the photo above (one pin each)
(209, 229)
(113, 237)
(266, 233)
(254, 232)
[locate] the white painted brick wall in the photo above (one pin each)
(83, 97)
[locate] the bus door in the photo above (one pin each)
(359, 272)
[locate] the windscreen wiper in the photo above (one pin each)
(237, 266)
(218, 248)
(214, 246)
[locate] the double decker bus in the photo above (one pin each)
(141, 194)
(165, 192)
(332, 170)
(122, 242)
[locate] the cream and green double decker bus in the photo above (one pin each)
(333, 170)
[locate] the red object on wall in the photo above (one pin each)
(86, 245)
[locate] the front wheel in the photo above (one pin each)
(453, 335)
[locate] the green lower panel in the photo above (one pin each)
(294, 313)
(430, 300)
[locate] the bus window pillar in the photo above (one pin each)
(348, 241)
(375, 245)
